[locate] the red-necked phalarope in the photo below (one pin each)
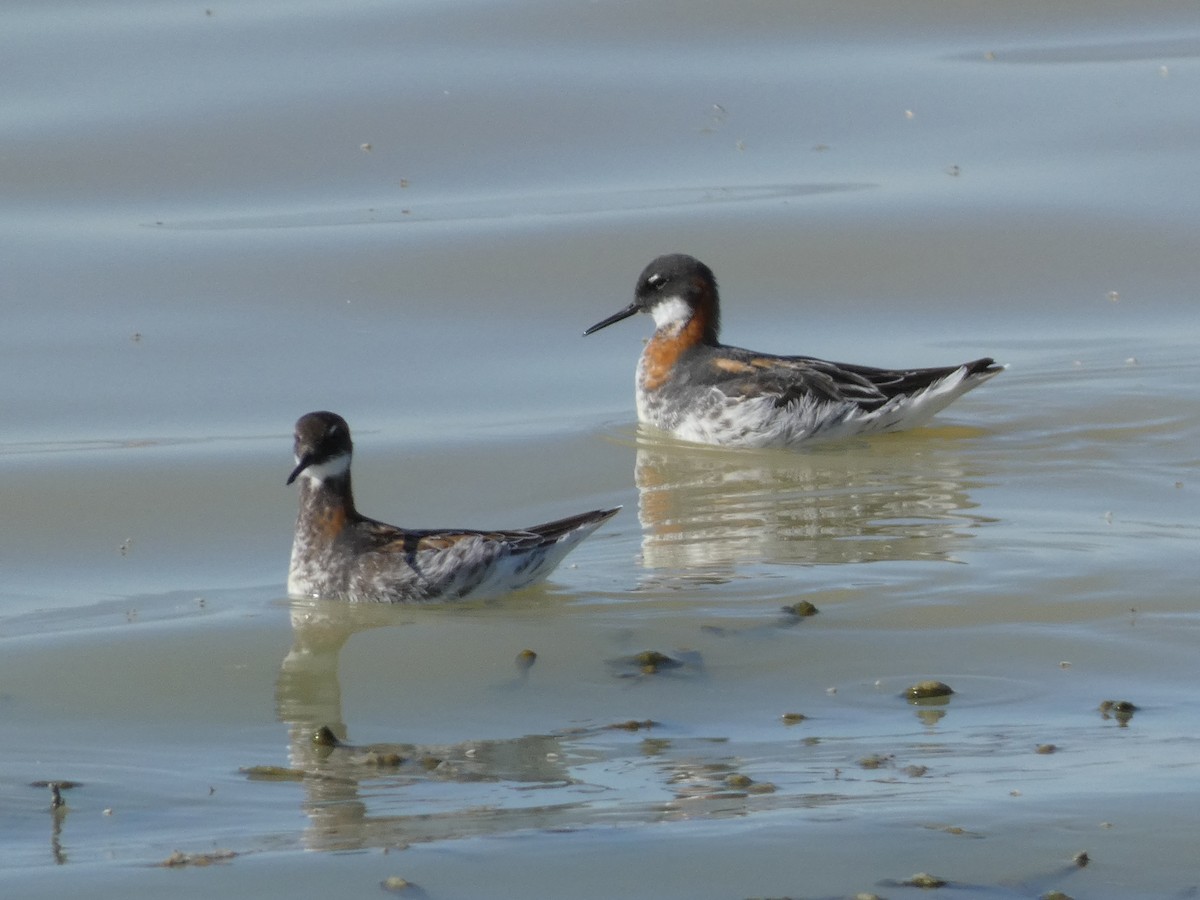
(339, 554)
(698, 389)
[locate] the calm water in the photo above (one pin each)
(219, 218)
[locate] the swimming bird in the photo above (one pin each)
(340, 554)
(696, 388)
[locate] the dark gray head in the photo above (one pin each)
(674, 289)
(322, 447)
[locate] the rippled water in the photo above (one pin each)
(221, 218)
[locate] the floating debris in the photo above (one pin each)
(648, 662)
(801, 609)
(1047, 749)
(525, 660)
(928, 690)
(875, 761)
(273, 773)
(925, 880)
(179, 859)
(58, 803)
(382, 759)
(652, 660)
(792, 718)
(324, 737)
(1081, 858)
(395, 884)
(63, 784)
(632, 725)
(1121, 710)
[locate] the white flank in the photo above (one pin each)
(711, 417)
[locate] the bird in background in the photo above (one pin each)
(694, 387)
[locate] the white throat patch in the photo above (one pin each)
(333, 468)
(671, 313)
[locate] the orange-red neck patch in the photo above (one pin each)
(663, 351)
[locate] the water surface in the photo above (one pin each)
(219, 218)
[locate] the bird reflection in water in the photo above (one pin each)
(340, 777)
(894, 497)
(391, 795)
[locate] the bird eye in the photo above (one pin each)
(656, 281)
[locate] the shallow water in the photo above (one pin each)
(221, 218)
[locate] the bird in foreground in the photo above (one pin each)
(340, 554)
(696, 388)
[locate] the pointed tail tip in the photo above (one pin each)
(598, 516)
(985, 366)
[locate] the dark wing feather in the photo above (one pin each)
(388, 538)
(550, 532)
(738, 372)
